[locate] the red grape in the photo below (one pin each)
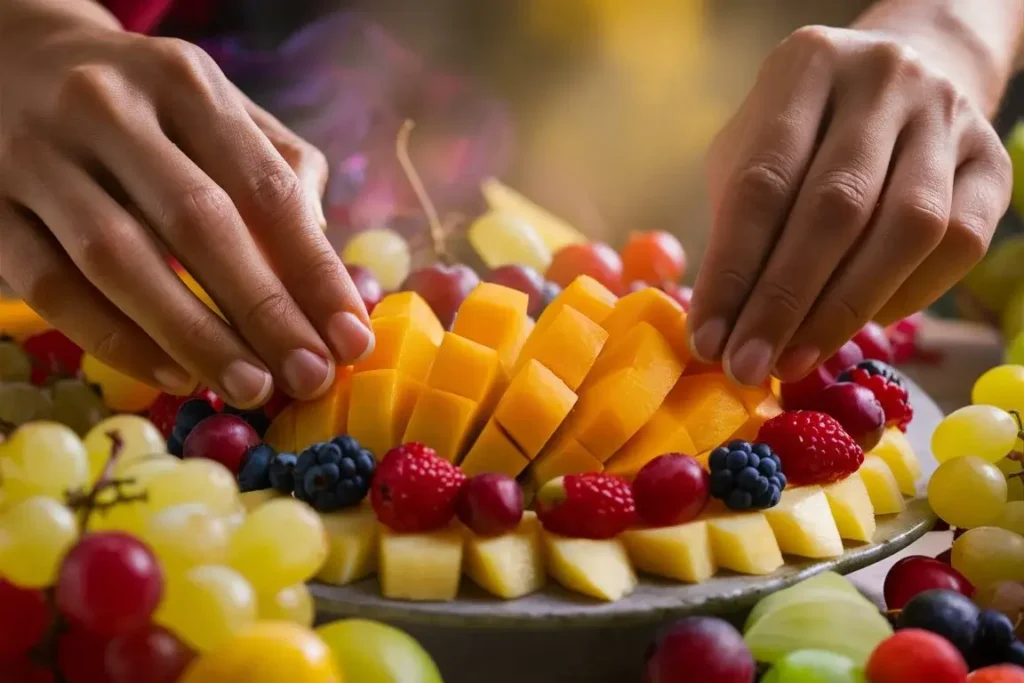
(81, 657)
(443, 287)
(367, 285)
(917, 574)
(874, 342)
(153, 655)
(23, 670)
(24, 618)
(523, 279)
(52, 353)
(699, 650)
(109, 584)
(653, 257)
(671, 489)
(856, 409)
(224, 438)
(848, 355)
(490, 504)
(682, 295)
(597, 260)
(802, 394)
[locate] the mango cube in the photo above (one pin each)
(567, 346)
(643, 348)
(465, 368)
(851, 508)
(281, 432)
(681, 552)
(443, 421)
(768, 408)
(494, 316)
(744, 543)
(662, 434)
(410, 305)
(508, 566)
(564, 456)
(900, 457)
(382, 402)
(709, 409)
(401, 345)
(653, 306)
(326, 417)
(423, 567)
(600, 569)
(532, 408)
(494, 452)
(883, 490)
(352, 537)
(803, 524)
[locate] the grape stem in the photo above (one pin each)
(87, 500)
(437, 230)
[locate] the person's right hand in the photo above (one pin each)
(116, 148)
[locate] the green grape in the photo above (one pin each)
(197, 480)
(967, 492)
(35, 535)
(186, 536)
(42, 458)
(371, 651)
(1002, 387)
(207, 606)
(501, 238)
(1013, 314)
(1015, 354)
(384, 252)
(130, 516)
(21, 403)
(1015, 483)
(815, 666)
(983, 431)
(15, 365)
(1015, 147)
(993, 280)
(293, 603)
(987, 555)
(1012, 518)
(139, 437)
(281, 543)
(77, 405)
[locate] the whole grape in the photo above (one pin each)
(946, 613)
(15, 364)
(21, 403)
(77, 405)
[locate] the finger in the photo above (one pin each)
(36, 267)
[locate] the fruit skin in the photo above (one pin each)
(813, 447)
(490, 504)
(223, 438)
(699, 650)
(873, 367)
(1004, 673)
(597, 260)
(874, 342)
(254, 473)
(848, 355)
(443, 287)
(946, 613)
(593, 505)
(415, 490)
(370, 651)
(189, 415)
(993, 641)
(653, 257)
(52, 353)
(164, 411)
(153, 655)
(671, 489)
(915, 574)
(334, 474)
(916, 656)
(524, 279)
(367, 285)
(24, 619)
(281, 472)
(815, 666)
(891, 395)
(801, 395)
(746, 476)
(857, 409)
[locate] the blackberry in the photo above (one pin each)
(191, 413)
(746, 476)
(281, 472)
(254, 474)
(873, 367)
(334, 474)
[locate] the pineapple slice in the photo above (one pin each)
(352, 545)
(508, 566)
(681, 552)
(600, 569)
(852, 509)
(803, 524)
(745, 543)
(899, 455)
(253, 499)
(882, 487)
(424, 567)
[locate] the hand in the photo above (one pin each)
(115, 148)
(855, 182)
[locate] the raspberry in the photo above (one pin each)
(415, 490)
(812, 446)
(890, 392)
(589, 505)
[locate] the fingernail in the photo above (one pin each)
(246, 385)
(174, 380)
(707, 341)
(796, 362)
(750, 363)
(351, 339)
(305, 373)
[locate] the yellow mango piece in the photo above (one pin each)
(508, 566)
(898, 454)
(709, 409)
(352, 537)
(465, 368)
(382, 402)
(882, 487)
(553, 231)
(768, 408)
(422, 567)
(494, 452)
(281, 432)
(494, 316)
(410, 305)
(532, 408)
(567, 346)
(401, 345)
(662, 434)
(655, 307)
(324, 418)
(18, 320)
(600, 569)
(803, 524)
(851, 508)
(443, 421)
(564, 456)
(681, 552)
(745, 543)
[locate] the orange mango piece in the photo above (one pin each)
(642, 347)
(326, 417)
(443, 421)
(708, 407)
(768, 408)
(695, 367)
(662, 434)
(410, 305)
(382, 402)
(564, 456)
(494, 452)
(568, 346)
(494, 316)
(281, 432)
(465, 368)
(403, 345)
(653, 306)
(532, 408)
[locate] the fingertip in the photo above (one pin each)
(707, 340)
(174, 380)
(749, 364)
(350, 338)
(796, 362)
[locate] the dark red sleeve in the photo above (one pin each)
(140, 16)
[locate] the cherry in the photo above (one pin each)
(367, 285)
(699, 650)
(224, 438)
(671, 489)
(653, 257)
(523, 279)
(52, 353)
(802, 394)
(443, 287)
(916, 574)
(848, 355)
(856, 409)
(81, 656)
(24, 618)
(153, 655)
(24, 670)
(597, 260)
(874, 342)
(490, 504)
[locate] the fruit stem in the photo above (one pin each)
(433, 220)
(87, 500)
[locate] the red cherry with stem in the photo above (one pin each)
(597, 260)
(367, 285)
(856, 409)
(523, 279)
(224, 438)
(24, 618)
(802, 394)
(874, 342)
(110, 583)
(52, 353)
(917, 574)
(653, 257)
(699, 650)
(848, 355)
(443, 287)
(490, 504)
(81, 656)
(671, 489)
(153, 654)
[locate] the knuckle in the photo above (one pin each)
(897, 60)
(847, 315)
(99, 249)
(197, 208)
(45, 290)
(924, 218)
(843, 193)
(90, 86)
(970, 236)
(323, 266)
(734, 282)
(268, 311)
(201, 327)
(816, 38)
(188, 65)
(764, 182)
(778, 296)
(277, 193)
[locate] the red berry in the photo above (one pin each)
(917, 574)
(224, 438)
(52, 353)
(24, 670)
(81, 656)
(916, 656)
(699, 650)
(490, 504)
(653, 257)
(814, 447)
(153, 655)
(802, 394)
(597, 260)
(874, 342)
(523, 279)
(892, 396)
(443, 287)
(278, 402)
(848, 355)
(415, 490)
(592, 505)
(24, 618)
(164, 411)
(1002, 673)
(671, 489)
(367, 285)
(856, 409)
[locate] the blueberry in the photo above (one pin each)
(328, 453)
(254, 475)
(717, 459)
(1015, 654)
(282, 472)
(365, 462)
(995, 631)
(346, 444)
(763, 450)
(946, 613)
(721, 483)
(175, 444)
(191, 413)
(747, 479)
(739, 500)
(767, 467)
(739, 445)
(736, 460)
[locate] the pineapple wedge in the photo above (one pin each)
(803, 524)
(507, 566)
(899, 455)
(882, 487)
(681, 552)
(745, 543)
(600, 569)
(425, 567)
(352, 545)
(852, 509)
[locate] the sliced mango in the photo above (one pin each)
(803, 524)
(662, 434)
(643, 348)
(681, 552)
(851, 508)
(653, 306)
(564, 456)
(281, 432)
(508, 566)
(443, 421)
(708, 407)
(402, 344)
(757, 415)
(534, 405)
(494, 452)
(424, 567)
(465, 368)
(326, 417)
(410, 305)
(494, 316)
(382, 402)
(567, 346)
